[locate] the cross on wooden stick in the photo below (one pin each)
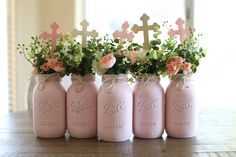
(53, 36)
(145, 28)
(182, 32)
(84, 33)
(124, 33)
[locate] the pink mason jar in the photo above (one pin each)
(115, 101)
(82, 107)
(181, 108)
(49, 107)
(148, 110)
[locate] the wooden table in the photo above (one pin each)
(217, 137)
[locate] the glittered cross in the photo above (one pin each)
(84, 33)
(145, 28)
(124, 33)
(182, 32)
(53, 36)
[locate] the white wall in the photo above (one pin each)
(27, 25)
(3, 57)
(32, 18)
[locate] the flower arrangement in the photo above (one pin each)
(114, 56)
(117, 56)
(153, 61)
(42, 58)
(93, 45)
(184, 56)
(68, 57)
(71, 54)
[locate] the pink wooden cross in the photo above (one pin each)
(124, 34)
(53, 36)
(145, 28)
(182, 32)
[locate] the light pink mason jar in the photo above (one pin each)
(181, 108)
(82, 107)
(49, 107)
(148, 113)
(115, 101)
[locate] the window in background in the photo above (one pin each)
(3, 57)
(216, 20)
(106, 16)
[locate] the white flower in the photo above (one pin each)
(66, 49)
(141, 55)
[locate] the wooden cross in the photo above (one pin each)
(124, 34)
(181, 31)
(53, 36)
(84, 33)
(145, 28)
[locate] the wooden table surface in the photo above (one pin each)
(217, 137)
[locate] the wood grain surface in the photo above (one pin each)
(216, 138)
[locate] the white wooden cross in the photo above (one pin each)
(182, 32)
(124, 33)
(53, 36)
(145, 28)
(84, 33)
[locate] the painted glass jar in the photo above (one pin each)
(181, 108)
(82, 107)
(148, 113)
(115, 101)
(49, 107)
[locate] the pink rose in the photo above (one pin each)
(179, 60)
(59, 69)
(187, 66)
(172, 68)
(51, 63)
(133, 56)
(125, 53)
(45, 67)
(107, 61)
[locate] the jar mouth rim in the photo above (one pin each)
(89, 74)
(85, 78)
(53, 76)
(180, 77)
(114, 77)
(147, 77)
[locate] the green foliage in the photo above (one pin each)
(70, 53)
(189, 50)
(129, 56)
(116, 47)
(36, 53)
(155, 59)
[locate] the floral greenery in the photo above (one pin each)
(154, 61)
(78, 60)
(39, 54)
(189, 50)
(89, 51)
(120, 49)
(115, 56)
(70, 53)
